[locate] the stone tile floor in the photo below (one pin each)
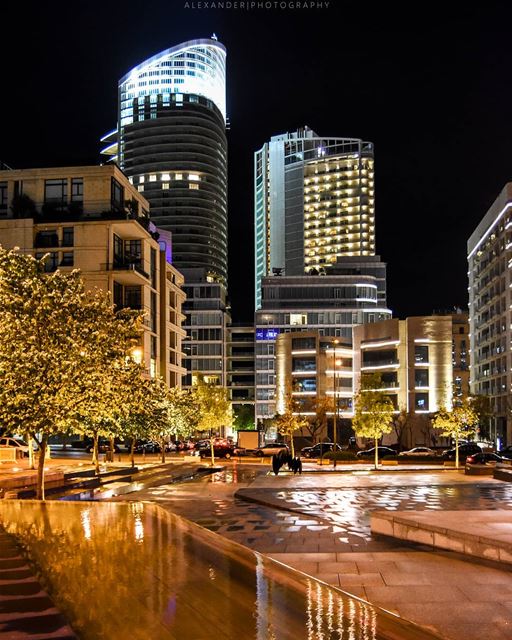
(327, 535)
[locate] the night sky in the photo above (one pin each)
(428, 83)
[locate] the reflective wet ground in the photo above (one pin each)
(323, 519)
(133, 571)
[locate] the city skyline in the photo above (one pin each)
(420, 95)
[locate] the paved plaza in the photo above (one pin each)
(320, 524)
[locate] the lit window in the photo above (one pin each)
(140, 187)
(165, 185)
(193, 176)
(141, 179)
(166, 177)
(178, 176)
(193, 186)
(152, 177)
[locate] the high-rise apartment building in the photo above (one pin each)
(490, 304)
(171, 142)
(315, 262)
(314, 203)
(93, 219)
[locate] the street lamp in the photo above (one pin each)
(335, 400)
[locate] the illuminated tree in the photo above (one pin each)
(318, 423)
(290, 421)
(57, 345)
(462, 420)
(214, 408)
(373, 411)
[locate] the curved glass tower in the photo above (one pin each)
(171, 143)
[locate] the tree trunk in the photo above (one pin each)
(456, 450)
(31, 464)
(162, 450)
(292, 446)
(376, 453)
(111, 457)
(212, 451)
(132, 453)
(95, 455)
(40, 468)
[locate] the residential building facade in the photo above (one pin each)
(240, 373)
(314, 202)
(93, 219)
(328, 304)
(420, 365)
(490, 315)
(170, 140)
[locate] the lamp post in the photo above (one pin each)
(335, 400)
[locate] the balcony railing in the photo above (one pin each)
(125, 266)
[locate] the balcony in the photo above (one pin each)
(133, 270)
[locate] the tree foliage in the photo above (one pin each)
(461, 421)
(62, 352)
(290, 421)
(373, 411)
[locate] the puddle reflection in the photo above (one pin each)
(135, 571)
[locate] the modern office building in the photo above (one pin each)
(312, 370)
(490, 304)
(170, 140)
(240, 373)
(328, 304)
(419, 362)
(93, 219)
(314, 203)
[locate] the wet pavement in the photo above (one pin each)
(325, 532)
(135, 571)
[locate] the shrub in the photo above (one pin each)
(340, 455)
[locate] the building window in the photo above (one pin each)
(421, 377)
(117, 194)
(67, 259)
(77, 189)
(193, 186)
(153, 268)
(133, 251)
(421, 353)
(51, 261)
(421, 401)
(3, 196)
(153, 312)
(165, 185)
(118, 295)
(47, 238)
(133, 297)
(56, 191)
(68, 234)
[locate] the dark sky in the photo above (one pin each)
(428, 83)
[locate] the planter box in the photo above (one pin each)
(388, 463)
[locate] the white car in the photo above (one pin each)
(16, 443)
(271, 449)
(418, 451)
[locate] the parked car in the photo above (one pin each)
(319, 449)
(17, 443)
(489, 459)
(271, 449)
(381, 452)
(418, 451)
(506, 452)
(465, 450)
(221, 449)
(103, 446)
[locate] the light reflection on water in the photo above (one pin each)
(133, 571)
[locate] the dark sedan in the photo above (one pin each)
(489, 459)
(319, 450)
(370, 453)
(465, 450)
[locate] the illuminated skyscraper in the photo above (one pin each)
(314, 203)
(171, 143)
